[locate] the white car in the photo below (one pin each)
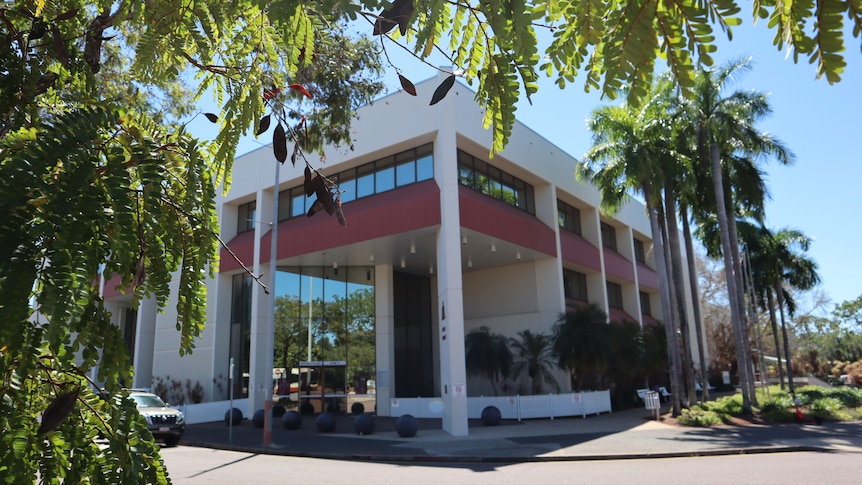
(165, 422)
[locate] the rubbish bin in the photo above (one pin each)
(652, 402)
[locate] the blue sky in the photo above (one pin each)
(820, 123)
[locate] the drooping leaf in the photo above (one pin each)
(279, 143)
(407, 85)
(213, 118)
(339, 213)
(295, 154)
(66, 15)
(58, 411)
(315, 207)
(309, 189)
(442, 90)
(301, 89)
(264, 125)
(271, 93)
(398, 14)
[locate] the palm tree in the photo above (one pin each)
(777, 262)
(723, 127)
(487, 355)
(579, 343)
(536, 355)
(631, 152)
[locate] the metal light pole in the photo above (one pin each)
(270, 330)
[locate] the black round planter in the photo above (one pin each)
(325, 422)
(406, 426)
(237, 416)
(363, 424)
(491, 416)
(257, 418)
(291, 420)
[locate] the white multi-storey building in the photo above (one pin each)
(444, 237)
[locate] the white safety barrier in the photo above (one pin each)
(208, 412)
(511, 407)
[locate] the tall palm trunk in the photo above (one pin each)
(771, 302)
(664, 289)
(679, 291)
(748, 366)
(779, 292)
(695, 299)
(739, 337)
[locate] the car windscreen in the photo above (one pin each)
(148, 401)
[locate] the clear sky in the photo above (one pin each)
(820, 123)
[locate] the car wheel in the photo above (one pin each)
(171, 440)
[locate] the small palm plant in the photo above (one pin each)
(536, 354)
(488, 356)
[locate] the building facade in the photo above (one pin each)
(440, 239)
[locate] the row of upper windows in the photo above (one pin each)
(575, 288)
(487, 179)
(388, 173)
(569, 218)
(405, 168)
(416, 165)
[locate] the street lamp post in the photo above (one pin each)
(270, 330)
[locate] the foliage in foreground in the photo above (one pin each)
(99, 178)
(92, 171)
(828, 404)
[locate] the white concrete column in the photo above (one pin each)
(450, 295)
(384, 330)
(145, 342)
(550, 296)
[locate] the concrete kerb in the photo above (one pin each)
(275, 450)
(595, 438)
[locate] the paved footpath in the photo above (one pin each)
(620, 435)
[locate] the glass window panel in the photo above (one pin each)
(425, 168)
(425, 150)
(334, 293)
(245, 217)
(480, 167)
(365, 181)
(297, 203)
(509, 195)
(284, 205)
(348, 188)
(406, 156)
(466, 176)
(645, 304)
(385, 179)
(405, 173)
(615, 295)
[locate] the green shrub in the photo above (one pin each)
(728, 405)
(809, 394)
(827, 407)
(777, 403)
(849, 397)
(699, 417)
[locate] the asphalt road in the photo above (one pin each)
(189, 465)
